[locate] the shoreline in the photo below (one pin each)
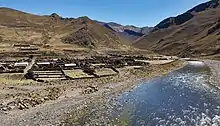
(215, 70)
(57, 111)
(105, 107)
(103, 101)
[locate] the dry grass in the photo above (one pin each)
(104, 71)
(77, 74)
(49, 33)
(14, 79)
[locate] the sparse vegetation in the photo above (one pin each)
(198, 28)
(63, 71)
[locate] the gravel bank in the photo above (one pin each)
(215, 69)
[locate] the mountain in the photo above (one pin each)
(193, 33)
(53, 33)
(128, 32)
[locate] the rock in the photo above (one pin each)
(46, 98)
(12, 107)
(38, 80)
(33, 103)
(5, 109)
(90, 89)
(42, 100)
(21, 107)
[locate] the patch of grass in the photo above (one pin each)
(125, 117)
(13, 79)
(76, 74)
(104, 71)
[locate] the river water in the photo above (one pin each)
(183, 97)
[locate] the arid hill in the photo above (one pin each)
(193, 33)
(53, 33)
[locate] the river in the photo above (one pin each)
(183, 97)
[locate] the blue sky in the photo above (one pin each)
(132, 12)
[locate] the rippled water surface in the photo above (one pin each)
(183, 97)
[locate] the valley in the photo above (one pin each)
(68, 71)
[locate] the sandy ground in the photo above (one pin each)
(215, 69)
(60, 98)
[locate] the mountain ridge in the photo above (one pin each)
(128, 32)
(54, 33)
(193, 33)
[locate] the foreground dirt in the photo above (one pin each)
(54, 102)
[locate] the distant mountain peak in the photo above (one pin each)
(84, 18)
(55, 15)
(202, 7)
(114, 24)
(128, 32)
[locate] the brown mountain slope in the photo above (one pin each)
(93, 35)
(194, 33)
(53, 33)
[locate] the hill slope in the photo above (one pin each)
(193, 33)
(53, 33)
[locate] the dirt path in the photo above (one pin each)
(30, 65)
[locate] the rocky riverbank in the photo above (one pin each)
(80, 96)
(97, 110)
(215, 69)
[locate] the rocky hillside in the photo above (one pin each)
(53, 32)
(193, 33)
(128, 32)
